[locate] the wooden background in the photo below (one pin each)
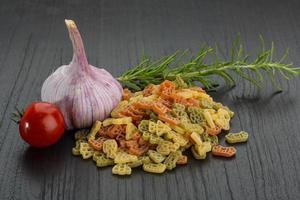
(34, 42)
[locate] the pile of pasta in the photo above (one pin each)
(152, 128)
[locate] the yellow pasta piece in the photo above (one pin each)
(118, 121)
(138, 97)
(224, 113)
(75, 150)
(110, 148)
(208, 118)
(196, 154)
(102, 160)
(174, 147)
(94, 130)
(177, 129)
(157, 168)
(217, 106)
(86, 150)
(196, 138)
(121, 105)
(201, 95)
(150, 98)
(121, 169)
(107, 122)
(156, 157)
(123, 157)
(177, 138)
(164, 147)
(161, 128)
(131, 129)
(203, 149)
(135, 164)
(141, 160)
(222, 123)
(171, 160)
(186, 93)
(152, 127)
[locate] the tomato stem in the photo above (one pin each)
(17, 115)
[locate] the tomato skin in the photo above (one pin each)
(42, 124)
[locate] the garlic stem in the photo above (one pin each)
(79, 56)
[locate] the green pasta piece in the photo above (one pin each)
(206, 103)
(157, 168)
(196, 118)
(121, 169)
(171, 160)
(146, 135)
(155, 156)
(145, 159)
(152, 127)
(153, 116)
(143, 126)
(86, 150)
(197, 128)
(180, 114)
(237, 137)
(217, 106)
(81, 134)
(213, 139)
(102, 160)
(154, 139)
(180, 83)
(178, 106)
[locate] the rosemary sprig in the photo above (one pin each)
(196, 69)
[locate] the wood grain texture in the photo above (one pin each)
(34, 42)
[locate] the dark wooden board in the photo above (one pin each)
(34, 42)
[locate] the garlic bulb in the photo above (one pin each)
(84, 93)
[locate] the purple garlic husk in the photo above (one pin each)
(83, 93)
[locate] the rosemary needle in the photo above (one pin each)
(195, 68)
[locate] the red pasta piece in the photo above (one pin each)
(213, 131)
(127, 94)
(167, 87)
(115, 130)
(149, 90)
(168, 119)
(219, 150)
(97, 144)
(142, 105)
(139, 150)
(160, 109)
(182, 160)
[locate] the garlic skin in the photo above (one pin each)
(83, 93)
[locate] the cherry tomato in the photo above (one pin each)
(42, 124)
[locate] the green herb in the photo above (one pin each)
(192, 69)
